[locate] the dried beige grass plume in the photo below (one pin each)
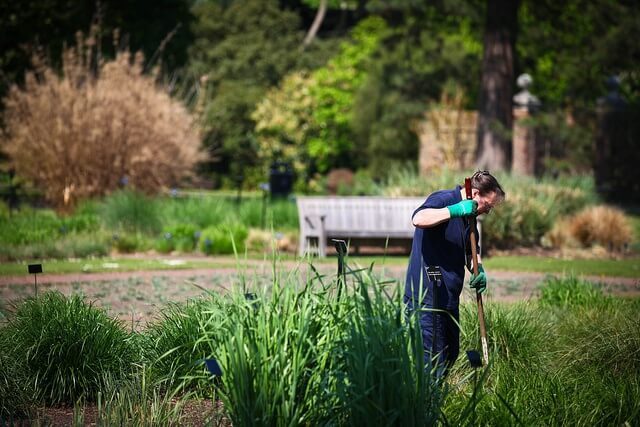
(78, 134)
(602, 225)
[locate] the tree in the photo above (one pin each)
(308, 119)
(496, 87)
(429, 46)
(243, 48)
(571, 47)
(29, 25)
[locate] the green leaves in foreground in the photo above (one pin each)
(294, 356)
(69, 348)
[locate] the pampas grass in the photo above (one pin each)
(96, 127)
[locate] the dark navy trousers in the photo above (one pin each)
(438, 315)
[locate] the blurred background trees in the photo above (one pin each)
(354, 93)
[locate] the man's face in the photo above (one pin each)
(486, 202)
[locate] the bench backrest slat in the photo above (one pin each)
(361, 213)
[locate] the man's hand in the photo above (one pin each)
(463, 208)
(479, 282)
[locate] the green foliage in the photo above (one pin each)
(16, 392)
(333, 89)
(71, 348)
(127, 243)
(130, 211)
(380, 348)
(554, 365)
(242, 48)
(307, 119)
(532, 207)
(223, 239)
(557, 57)
(173, 347)
(71, 246)
(572, 292)
(137, 401)
(180, 237)
(286, 356)
(428, 47)
(29, 226)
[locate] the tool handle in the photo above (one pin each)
(474, 259)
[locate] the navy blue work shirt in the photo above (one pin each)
(444, 245)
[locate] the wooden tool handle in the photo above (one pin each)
(474, 259)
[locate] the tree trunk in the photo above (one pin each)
(495, 109)
(317, 22)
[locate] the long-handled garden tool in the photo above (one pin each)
(474, 259)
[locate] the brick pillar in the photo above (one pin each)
(524, 136)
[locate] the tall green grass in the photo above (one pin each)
(296, 354)
(571, 358)
(572, 291)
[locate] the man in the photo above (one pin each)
(441, 249)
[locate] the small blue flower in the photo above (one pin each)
(279, 235)
(197, 234)
(174, 192)
(124, 180)
(167, 236)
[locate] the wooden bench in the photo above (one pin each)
(357, 218)
(353, 218)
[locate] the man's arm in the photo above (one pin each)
(430, 217)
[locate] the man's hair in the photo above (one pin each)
(486, 183)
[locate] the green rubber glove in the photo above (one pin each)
(479, 282)
(463, 208)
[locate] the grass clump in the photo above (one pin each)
(173, 347)
(71, 348)
(572, 292)
(596, 225)
(16, 392)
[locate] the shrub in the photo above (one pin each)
(127, 243)
(221, 239)
(29, 226)
(95, 129)
(603, 225)
(597, 225)
(181, 237)
(71, 348)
